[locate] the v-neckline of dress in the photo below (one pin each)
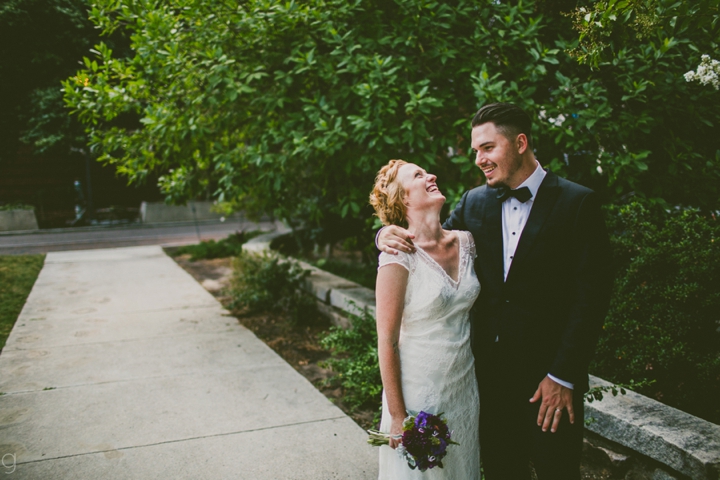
(437, 266)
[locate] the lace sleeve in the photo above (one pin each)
(401, 258)
(471, 245)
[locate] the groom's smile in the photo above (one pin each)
(488, 170)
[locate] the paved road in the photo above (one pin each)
(84, 238)
(121, 366)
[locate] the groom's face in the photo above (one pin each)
(497, 156)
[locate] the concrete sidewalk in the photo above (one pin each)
(121, 366)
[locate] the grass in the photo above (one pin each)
(17, 277)
(209, 249)
(16, 206)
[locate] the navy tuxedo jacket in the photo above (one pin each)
(550, 309)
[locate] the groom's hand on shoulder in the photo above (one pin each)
(391, 239)
(555, 399)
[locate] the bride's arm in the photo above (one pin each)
(390, 298)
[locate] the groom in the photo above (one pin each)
(543, 261)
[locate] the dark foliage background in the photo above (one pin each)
(663, 322)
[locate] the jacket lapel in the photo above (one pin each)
(493, 250)
(545, 200)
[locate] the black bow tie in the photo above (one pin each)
(522, 194)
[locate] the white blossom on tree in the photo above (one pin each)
(708, 72)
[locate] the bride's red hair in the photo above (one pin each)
(388, 194)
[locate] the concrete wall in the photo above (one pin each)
(635, 437)
(159, 212)
(17, 220)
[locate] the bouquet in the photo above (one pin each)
(424, 442)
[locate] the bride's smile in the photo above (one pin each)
(420, 187)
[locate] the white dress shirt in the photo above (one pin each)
(514, 217)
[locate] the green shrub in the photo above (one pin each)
(663, 319)
(354, 357)
(209, 249)
(269, 282)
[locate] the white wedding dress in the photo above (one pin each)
(436, 362)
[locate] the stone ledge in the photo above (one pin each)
(263, 243)
(683, 442)
(322, 284)
(354, 300)
(338, 292)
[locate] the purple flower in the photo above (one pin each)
(425, 441)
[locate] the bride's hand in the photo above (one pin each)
(396, 430)
(393, 238)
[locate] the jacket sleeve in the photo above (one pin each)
(590, 297)
(456, 220)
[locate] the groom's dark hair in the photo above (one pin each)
(509, 119)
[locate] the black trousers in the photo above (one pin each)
(510, 438)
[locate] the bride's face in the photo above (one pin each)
(421, 191)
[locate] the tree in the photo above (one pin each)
(655, 134)
(291, 107)
(41, 42)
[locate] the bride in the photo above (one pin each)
(423, 305)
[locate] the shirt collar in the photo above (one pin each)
(534, 180)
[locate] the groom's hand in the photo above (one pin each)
(393, 238)
(555, 399)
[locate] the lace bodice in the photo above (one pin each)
(436, 362)
(432, 295)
